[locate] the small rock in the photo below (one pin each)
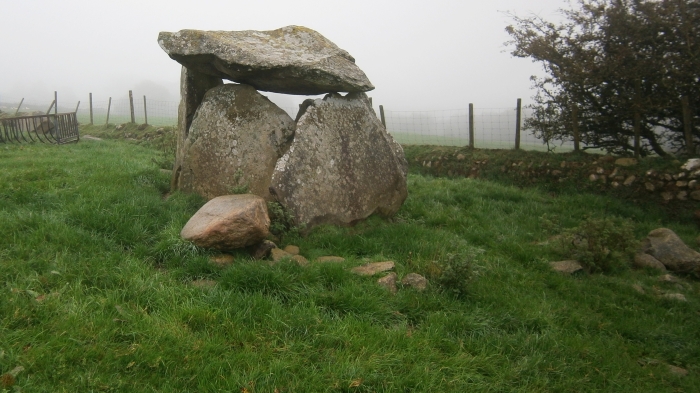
(667, 177)
(599, 170)
(681, 184)
(642, 261)
(415, 281)
(119, 127)
(678, 371)
(294, 250)
(300, 260)
(279, 254)
(650, 187)
(371, 269)
(330, 259)
(630, 180)
(691, 165)
(615, 184)
(460, 157)
(221, 260)
(669, 278)
(626, 161)
(615, 172)
(667, 196)
(261, 250)
(682, 196)
(388, 282)
(664, 245)
(638, 288)
(695, 195)
(693, 184)
(674, 296)
(679, 176)
(566, 267)
(593, 177)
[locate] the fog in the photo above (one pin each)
(420, 55)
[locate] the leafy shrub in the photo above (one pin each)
(600, 244)
(281, 220)
(455, 272)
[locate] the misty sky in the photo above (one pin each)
(420, 55)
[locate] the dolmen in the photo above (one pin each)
(335, 163)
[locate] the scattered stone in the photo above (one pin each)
(234, 142)
(221, 260)
(290, 60)
(599, 170)
(642, 260)
(693, 184)
(278, 254)
(626, 161)
(389, 282)
(615, 184)
(667, 196)
(90, 138)
(261, 250)
(291, 249)
(674, 296)
(371, 269)
(682, 196)
(460, 157)
(664, 245)
(695, 195)
(681, 184)
(669, 278)
(691, 165)
(342, 166)
(649, 186)
(630, 180)
(228, 222)
(204, 284)
(667, 177)
(330, 259)
(300, 260)
(593, 177)
(678, 371)
(566, 267)
(415, 281)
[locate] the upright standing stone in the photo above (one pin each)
(236, 137)
(342, 166)
(193, 86)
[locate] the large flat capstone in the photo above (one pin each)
(342, 165)
(292, 59)
(234, 141)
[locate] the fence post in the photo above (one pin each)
(471, 125)
(518, 113)
(574, 125)
(109, 105)
(689, 145)
(51, 107)
(91, 123)
(131, 105)
(381, 114)
(55, 100)
(19, 106)
(145, 114)
(76, 110)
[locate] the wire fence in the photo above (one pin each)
(494, 128)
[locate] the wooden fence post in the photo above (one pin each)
(51, 107)
(55, 100)
(574, 125)
(109, 105)
(471, 125)
(145, 114)
(381, 114)
(131, 104)
(687, 126)
(76, 109)
(19, 106)
(91, 123)
(518, 113)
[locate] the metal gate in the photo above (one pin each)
(50, 128)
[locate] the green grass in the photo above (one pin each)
(97, 293)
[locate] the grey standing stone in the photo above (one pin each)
(342, 165)
(193, 86)
(236, 137)
(291, 60)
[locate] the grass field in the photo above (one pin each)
(99, 293)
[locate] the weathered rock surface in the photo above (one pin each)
(292, 60)
(371, 269)
(566, 267)
(279, 254)
(228, 222)
(389, 282)
(235, 139)
(193, 86)
(342, 166)
(292, 249)
(261, 250)
(415, 281)
(642, 261)
(664, 245)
